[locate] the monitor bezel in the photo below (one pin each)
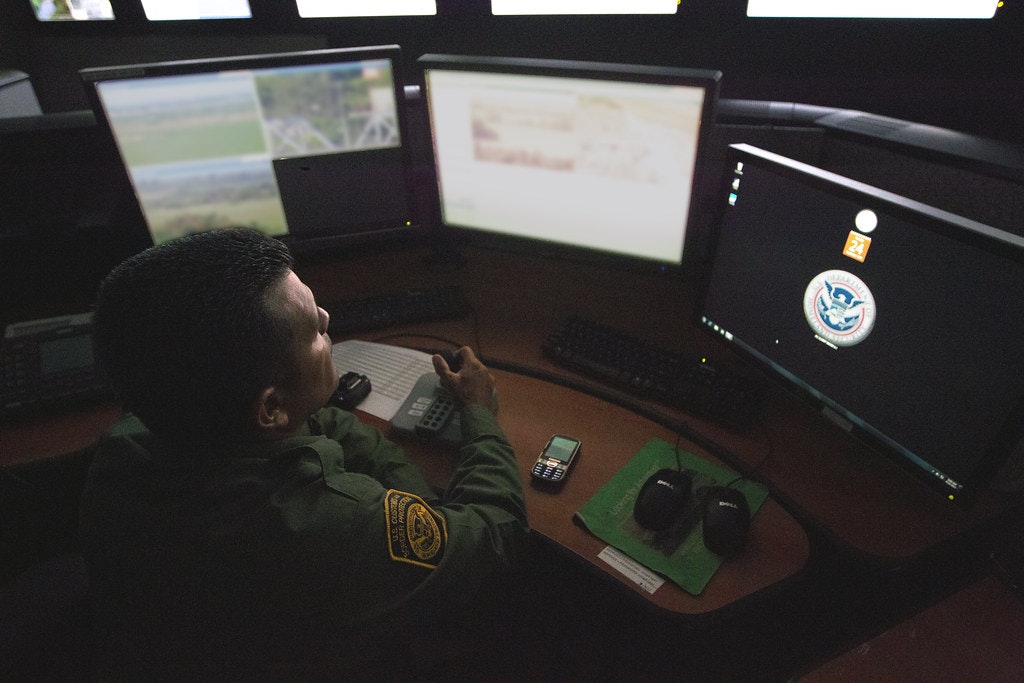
(310, 245)
(1004, 442)
(698, 214)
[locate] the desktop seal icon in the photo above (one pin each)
(839, 307)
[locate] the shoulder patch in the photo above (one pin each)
(416, 533)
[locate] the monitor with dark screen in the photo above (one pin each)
(902, 322)
(596, 158)
(305, 144)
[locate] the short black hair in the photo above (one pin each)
(184, 332)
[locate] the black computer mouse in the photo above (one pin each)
(726, 521)
(663, 499)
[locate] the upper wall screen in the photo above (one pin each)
(499, 7)
(881, 9)
(72, 10)
(170, 10)
(309, 9)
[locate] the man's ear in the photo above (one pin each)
(269, 411)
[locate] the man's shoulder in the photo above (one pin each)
(332, 422)
(127, 426)
(126, 438)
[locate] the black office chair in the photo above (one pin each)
(45, 614)
(46, 624)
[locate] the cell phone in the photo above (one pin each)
(558, 456)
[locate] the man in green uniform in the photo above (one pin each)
(234, 526)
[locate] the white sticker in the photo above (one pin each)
(631, 569)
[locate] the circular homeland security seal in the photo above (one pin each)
(839, 307)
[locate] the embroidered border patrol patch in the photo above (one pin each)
(416, 534)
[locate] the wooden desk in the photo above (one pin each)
(849, 492)
(855, 495)
(532, 410)
(48, 436)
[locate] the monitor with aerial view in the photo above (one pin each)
(304, 144)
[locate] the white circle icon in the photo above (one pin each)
(866, 220)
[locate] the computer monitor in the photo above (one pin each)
(594, 158)
(901, 322)
(304, 144)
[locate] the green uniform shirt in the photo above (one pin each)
(294, 553)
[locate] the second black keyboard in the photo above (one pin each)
(713, 391)
(396, 308)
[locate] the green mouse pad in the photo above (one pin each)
(678, 552)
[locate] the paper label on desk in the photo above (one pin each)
(631, 569)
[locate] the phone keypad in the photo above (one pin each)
(549, 472)
(435, 418)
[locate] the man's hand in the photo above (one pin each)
(472, 384)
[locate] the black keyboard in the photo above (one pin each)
(396, 308)
(716, 392)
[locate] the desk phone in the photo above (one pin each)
(47, 364)
(429, 412)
